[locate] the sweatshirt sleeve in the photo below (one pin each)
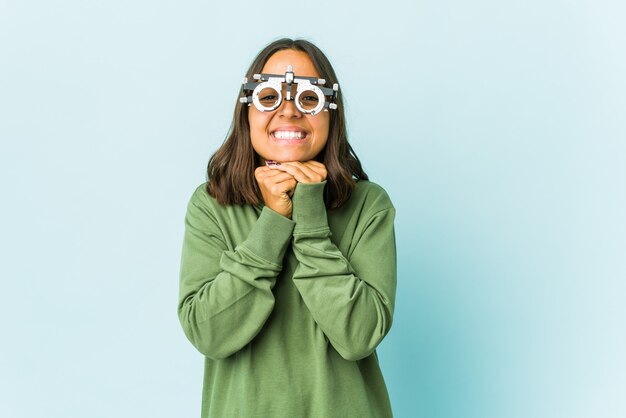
(352, 297)
(226, 294)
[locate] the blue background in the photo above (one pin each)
(497, 127)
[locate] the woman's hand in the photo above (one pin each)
(277, 187)
(307, 172)
(278, 182)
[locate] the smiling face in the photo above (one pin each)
(286, 134)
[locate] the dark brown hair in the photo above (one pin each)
(230, 172)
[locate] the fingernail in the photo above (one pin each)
(271, 162)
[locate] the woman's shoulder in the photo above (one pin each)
(372, 195)
(200, 193)
(200, 197)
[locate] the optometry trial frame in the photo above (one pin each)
(311, 96)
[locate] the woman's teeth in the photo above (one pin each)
(289, 135)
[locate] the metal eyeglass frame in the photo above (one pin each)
(303, 84)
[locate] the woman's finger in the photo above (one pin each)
(315, 163)
(264, 172)
(288, 186)
(261, 172)
(315, 173)
(296, 171)
(318, 167)
(302, 172)
(277, 177)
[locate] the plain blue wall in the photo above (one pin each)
(498, 128)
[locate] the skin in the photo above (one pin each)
(295, 158)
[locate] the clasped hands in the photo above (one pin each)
(278, 182)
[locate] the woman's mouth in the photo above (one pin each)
(289, 136)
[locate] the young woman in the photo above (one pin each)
(288, 269)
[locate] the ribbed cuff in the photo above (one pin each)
(309, 210)
(270, 236)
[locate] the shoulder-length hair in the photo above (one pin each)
(230, 171)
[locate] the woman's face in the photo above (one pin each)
(272, 132)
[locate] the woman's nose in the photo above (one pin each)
(288, 108)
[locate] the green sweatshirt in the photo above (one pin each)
(288, 312)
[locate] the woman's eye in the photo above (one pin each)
(268, 97)
(310, 98)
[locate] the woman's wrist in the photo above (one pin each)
(309, 208)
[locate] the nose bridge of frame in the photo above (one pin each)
(288, 95)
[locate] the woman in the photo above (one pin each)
(288, 270)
